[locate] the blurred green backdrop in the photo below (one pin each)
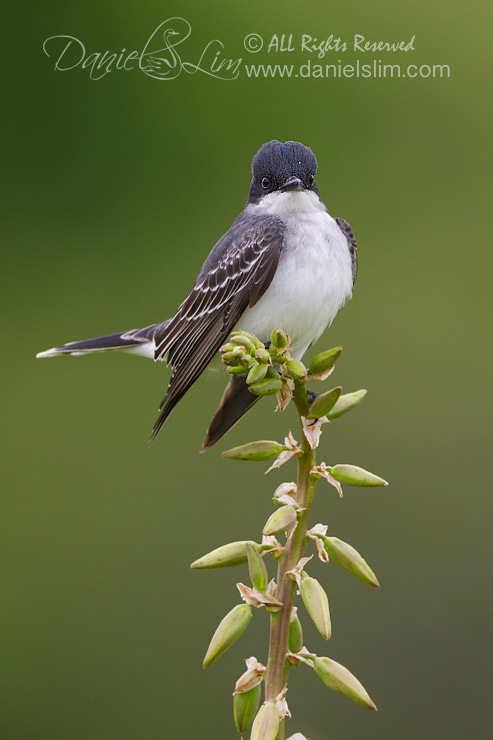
(103, 625)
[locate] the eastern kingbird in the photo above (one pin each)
(283, 264)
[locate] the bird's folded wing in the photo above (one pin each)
(351, 240)
(236, 274)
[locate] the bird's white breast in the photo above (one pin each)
(313, 279)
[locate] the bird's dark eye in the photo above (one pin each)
(265, 182)
(311, 179)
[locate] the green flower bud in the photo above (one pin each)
(345, 403)
(242, 341)
(256, 568)
(276, 357)
(238, 336)
(239, 352)
(266, 724)
(264, 449)
(231, 627)
(338, 678)
(257, 373)
(245, 707)
(229, 358)
(296, 370)
(355, 476)
(322, 363)
(282, 519)
(278, 339)
(234, 553)
(228, 347)
(317, 604)
(266, 387)
(295, 634)
(262, 355)
(348, 558)
(323, 403)
(237, 370)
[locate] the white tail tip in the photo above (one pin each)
(48, 353)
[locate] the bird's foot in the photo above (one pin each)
(312, 395)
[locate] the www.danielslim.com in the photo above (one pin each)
(375, 69)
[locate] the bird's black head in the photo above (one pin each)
(282, 167)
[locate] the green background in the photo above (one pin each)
(114, 193)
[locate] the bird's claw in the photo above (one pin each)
(312, 395)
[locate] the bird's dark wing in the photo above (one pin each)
(348, 233)
(236, 274)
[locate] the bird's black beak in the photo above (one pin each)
(293, 183)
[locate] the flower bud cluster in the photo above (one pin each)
(244, 354)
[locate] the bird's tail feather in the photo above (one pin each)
(236, 401)
(141, 341)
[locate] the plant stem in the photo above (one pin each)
(278, 665)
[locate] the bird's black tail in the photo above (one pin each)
(236, 401)
(139, 340)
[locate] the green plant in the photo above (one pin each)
(272, 371)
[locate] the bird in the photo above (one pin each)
(284, 263)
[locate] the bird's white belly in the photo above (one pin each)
(313, 280)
